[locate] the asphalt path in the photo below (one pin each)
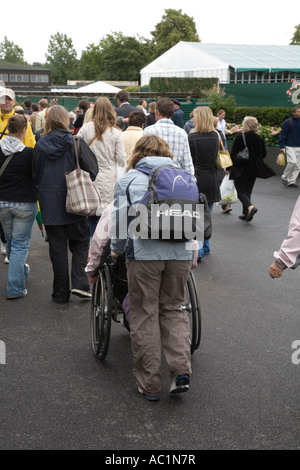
(244, 391)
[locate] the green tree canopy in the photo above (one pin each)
(90, 63)
(174, 27)
(117, 57)
(61, 58)
(10, 52)
(296, 38)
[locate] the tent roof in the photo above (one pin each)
(188, 56)
(98, 87)
(95, 87)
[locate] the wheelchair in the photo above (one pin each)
(108, 296)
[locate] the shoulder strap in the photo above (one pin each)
(2, 133)
(76, 142)
(244, 139)
(127, 190)
(91, 141)
(8, 159)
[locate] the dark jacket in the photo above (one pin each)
(16, 182)
(53, 157)
(290, 133)
(255, 167)
(150, 119)
(78, 123)
(178, 118)
(124, 110)
(204, 151)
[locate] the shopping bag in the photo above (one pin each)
(83, 197)
(280, 159)
(228, 191)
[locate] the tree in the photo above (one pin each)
(174, 27)
(122, 57)
(10, 52)
(296, 38)
(90, 63)
(61, 58)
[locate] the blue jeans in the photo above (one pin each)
(17, 222)
(204, 247)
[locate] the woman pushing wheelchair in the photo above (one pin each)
(157, 273)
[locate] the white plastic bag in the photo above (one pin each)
(228, 191)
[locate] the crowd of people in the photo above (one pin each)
(36, 150)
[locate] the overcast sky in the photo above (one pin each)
(86, 22)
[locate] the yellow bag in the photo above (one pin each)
(280, 159)
(223, 159)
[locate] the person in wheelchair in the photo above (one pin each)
(157, 273)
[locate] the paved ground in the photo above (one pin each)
(245, 389)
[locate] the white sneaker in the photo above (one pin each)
(6, 260)
(3, 248)
(28, 268)
(13, 297)
(82, 293)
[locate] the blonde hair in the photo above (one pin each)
(152, 107)
(57, 118)
(250, 123)
(149, 146)
(104, 116)
(203, 120)
(88, 115)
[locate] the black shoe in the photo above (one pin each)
(293, 185)
(59, 300)
(242, 217)
(251, 214)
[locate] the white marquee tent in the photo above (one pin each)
(196, 59)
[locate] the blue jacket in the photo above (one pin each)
(53, 157)
(141, 249)
(290, 133)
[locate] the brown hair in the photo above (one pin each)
(104, 116)
(16, 124)
(123, 96)
(137, 118)
(57, 118)
(84, 105)
(165, 107)
(149, 146)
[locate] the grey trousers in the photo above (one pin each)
(156, 293)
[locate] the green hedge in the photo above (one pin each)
(266, 116)
(195, 86)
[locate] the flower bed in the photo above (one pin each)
(270, 134)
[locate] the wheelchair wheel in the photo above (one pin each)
(192, 307)
(101, 313)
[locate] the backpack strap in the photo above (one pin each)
(146, 171)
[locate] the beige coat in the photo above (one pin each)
(110, 153)
(130, 137)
